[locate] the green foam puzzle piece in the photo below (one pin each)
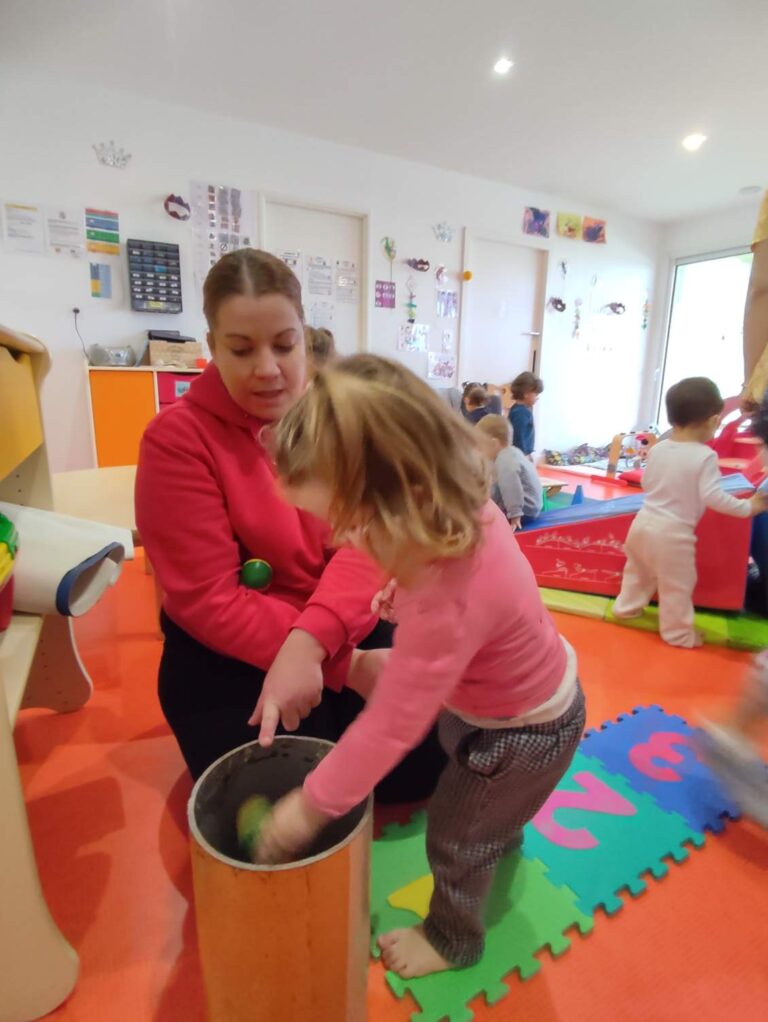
(620, 845)
(747, 631)
(739, 631)
(582, 604)
(399, 857)
(525, 913)
(713, 626)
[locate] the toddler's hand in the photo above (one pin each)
(293, 686)
(759, 503)
(365, 668)
(290, 827)
(516, 523)
(383, 602)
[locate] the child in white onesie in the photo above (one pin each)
(681, 479)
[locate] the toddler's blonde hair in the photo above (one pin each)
(498, 427)
(397, 462)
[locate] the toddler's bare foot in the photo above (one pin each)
(627, 615)
(692, 641)
(409, 953)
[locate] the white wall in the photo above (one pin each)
(691, 237)
(48, 127)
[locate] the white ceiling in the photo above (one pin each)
(600, 96)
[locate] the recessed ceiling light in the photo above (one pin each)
(502, 66)
(749, 190)
(694, 142)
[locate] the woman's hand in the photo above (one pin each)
(293, 686)
(290, 827)
(364, 670)
(383, 602)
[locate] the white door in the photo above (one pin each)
(327, 249)
(503, 304)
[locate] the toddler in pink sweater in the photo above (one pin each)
(373, 450)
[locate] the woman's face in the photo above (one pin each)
(257, 345)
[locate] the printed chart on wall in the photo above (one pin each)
(223, 220)
(102, 228)
(346, 281)
(64, 232)
(23, 228)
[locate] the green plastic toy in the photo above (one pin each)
(256, 574)
(250, 819)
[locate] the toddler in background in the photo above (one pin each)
(515, 486)
(475, 402)
(321, 347)
(373, 450)
(526, 389)
(681, 480)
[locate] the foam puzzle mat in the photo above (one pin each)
(635, 800)
(738, 631)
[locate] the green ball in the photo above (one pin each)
(256, 574)
(250, 819)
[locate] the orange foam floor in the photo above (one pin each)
(106, 791)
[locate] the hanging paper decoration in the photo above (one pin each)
(577, 318)
(646, 313)
(443, 231)
(440, 274)
(556, 304)
(422, 265)
(177, 208)
(410, 305)
(390, 251)
(615, 308)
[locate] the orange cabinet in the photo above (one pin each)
(123, 401)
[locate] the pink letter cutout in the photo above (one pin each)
(659, 746)
(597, 797)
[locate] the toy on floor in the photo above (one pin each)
(632, 448)
(250, 819)
(634, 798)
(9, 541)
(256, 574)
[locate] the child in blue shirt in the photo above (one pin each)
(475, 402)
(525, 390)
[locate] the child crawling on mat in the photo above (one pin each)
(372, 449)
(681, 480)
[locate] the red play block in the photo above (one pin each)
(587, 557)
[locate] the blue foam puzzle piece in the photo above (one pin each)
(592, 510)
(682, 783)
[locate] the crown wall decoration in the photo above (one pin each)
(110, 155)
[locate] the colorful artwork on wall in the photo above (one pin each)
(594, 230)
(536, 222)
(569, 225)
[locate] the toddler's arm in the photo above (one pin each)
(430, 655)
(715, 497)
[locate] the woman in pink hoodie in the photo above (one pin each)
(207, 500)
